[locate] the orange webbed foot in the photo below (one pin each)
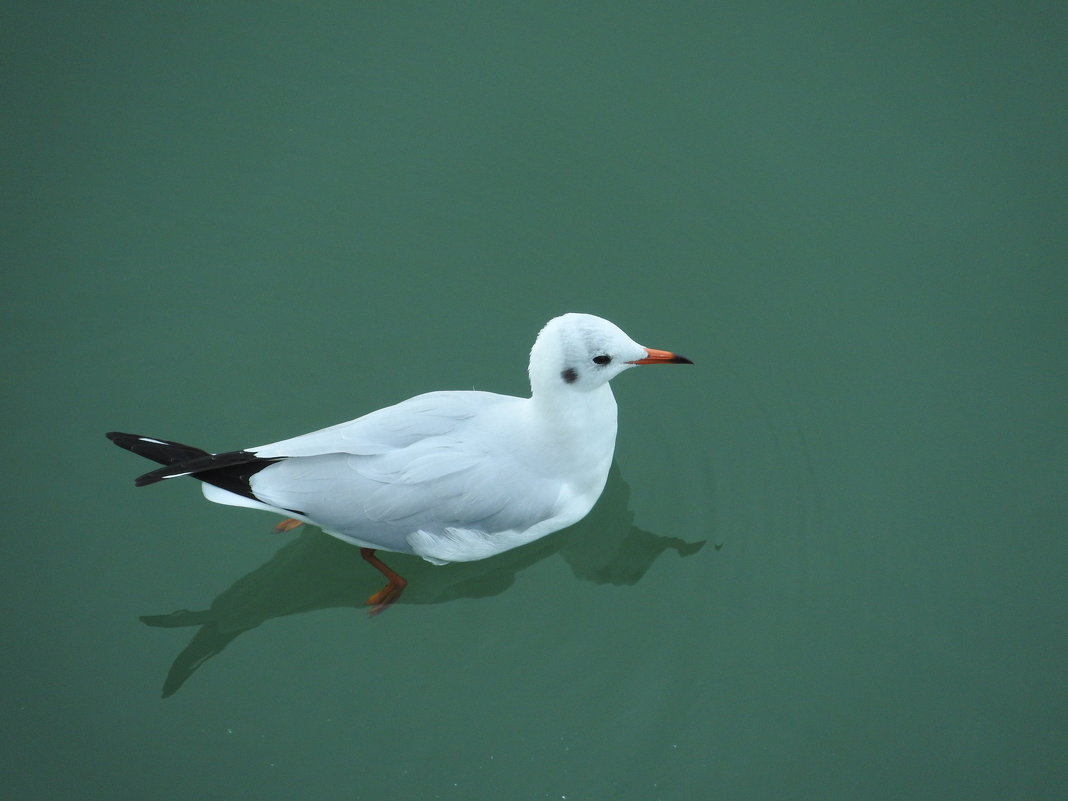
(388, 595)
(288, 525)
(385, 598)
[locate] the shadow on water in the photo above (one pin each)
(317, 571)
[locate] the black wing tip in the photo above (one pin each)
(230, 471)
(148, 478)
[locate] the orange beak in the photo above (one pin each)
(661, 357)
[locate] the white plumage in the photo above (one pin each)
(450, 476)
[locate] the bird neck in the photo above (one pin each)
(577, 420)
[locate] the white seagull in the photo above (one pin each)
(452, 476)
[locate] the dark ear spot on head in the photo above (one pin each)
(569, 375)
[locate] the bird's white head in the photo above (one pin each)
(582, 352)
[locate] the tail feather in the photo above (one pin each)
(230, 471)
(203, 464)
(158, 450)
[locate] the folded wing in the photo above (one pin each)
(430, 415)
(409, 473)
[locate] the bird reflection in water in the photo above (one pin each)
(317, 571)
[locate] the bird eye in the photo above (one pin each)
(604, 358)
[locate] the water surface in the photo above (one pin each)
(830, 559)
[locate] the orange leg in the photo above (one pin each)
(288, 524)
(385, 597)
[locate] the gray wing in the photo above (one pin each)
(398, 426)
(418, 467)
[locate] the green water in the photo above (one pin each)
(830, 561)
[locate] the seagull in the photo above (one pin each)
(451, 476)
